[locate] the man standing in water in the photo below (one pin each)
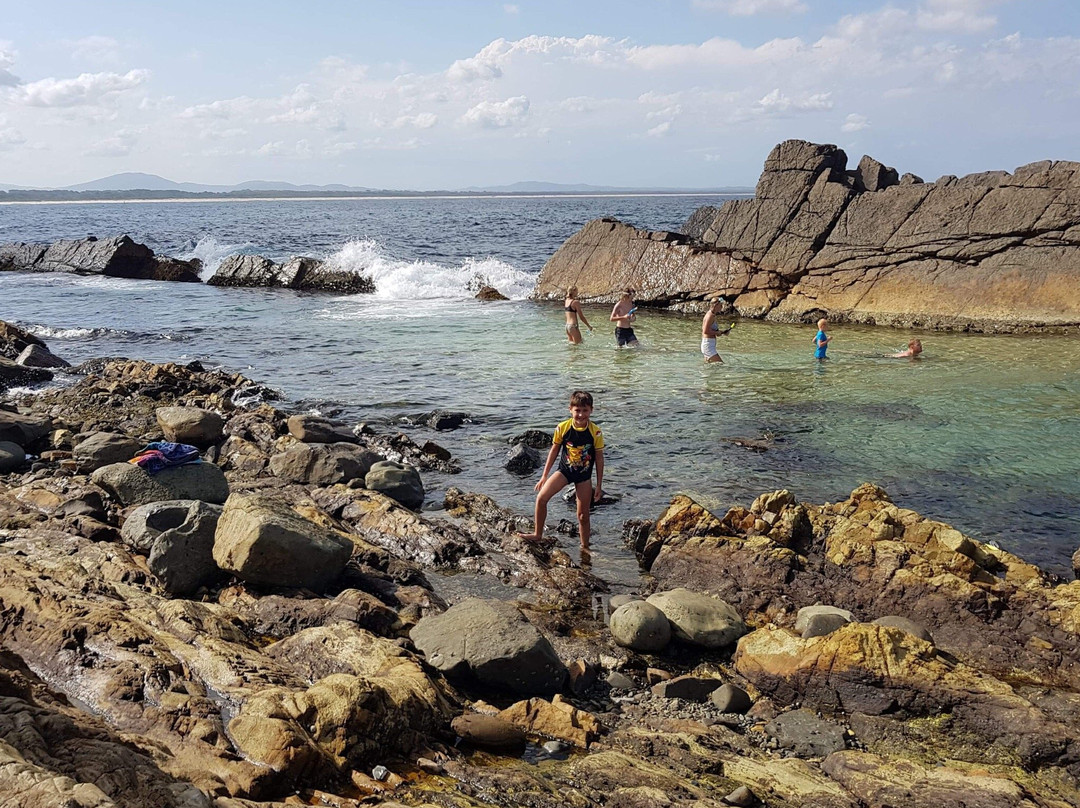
(623, 314)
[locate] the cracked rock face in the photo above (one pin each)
(993, 251)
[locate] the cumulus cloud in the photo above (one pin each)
(10, 137)
(964, 16)
(7, 60)
(748, 8)
(497, 114)
(855, 123)
(660, 129)
(86, 89)
(120, 145)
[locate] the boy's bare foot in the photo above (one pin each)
(530, 537)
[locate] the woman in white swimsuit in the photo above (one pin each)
(573, 311)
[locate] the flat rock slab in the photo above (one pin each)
(132, 485)
(492, 641)
(191, 425)
(688, 688)
(806, 734)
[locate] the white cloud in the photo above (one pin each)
(383, 144)
(777, 102)
(10, 137)
(86, 89)
(103, 50)
(7, 60)
(855, 123)
(579, 104)
(424, 120)
(120, 145)
(497, 114)
(962, 16)
(273, 148)
(660, 129)
(511, 8)
(748, 8)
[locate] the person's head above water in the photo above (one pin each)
(915, 346)
(822, 324)
(571, 292)
(628, 294)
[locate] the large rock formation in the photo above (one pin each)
(991, 251)
(119, 257)
(299, 272)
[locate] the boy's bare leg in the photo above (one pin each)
(584, 509)
(552, 485)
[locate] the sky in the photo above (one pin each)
(404, 94)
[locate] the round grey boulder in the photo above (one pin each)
(822, 624)
(731, 698)
(807, 612)
(191, 425)
(131, 485)
(12, 456)
(640, 626)
(323, 463)
(904, 624)
(699, 619)
(398, 481)
(491, 641)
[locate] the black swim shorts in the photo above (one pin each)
(624, 336)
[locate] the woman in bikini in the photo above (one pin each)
(573, 311)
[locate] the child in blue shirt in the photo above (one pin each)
(821, 338)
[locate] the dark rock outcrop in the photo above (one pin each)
(300, 272)
(992, 251)
(119, 257)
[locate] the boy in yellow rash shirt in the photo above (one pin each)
(578, 444)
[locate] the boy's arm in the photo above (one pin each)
(552, 454)
(615, 316)
(599, 474)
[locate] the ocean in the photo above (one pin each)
(982, 432)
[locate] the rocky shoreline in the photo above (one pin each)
(261, 628)
(994, 251)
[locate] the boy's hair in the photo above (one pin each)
(822, 320)
(629, 291)
(579, 398)
(911, 345)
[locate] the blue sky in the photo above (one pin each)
(431, 95)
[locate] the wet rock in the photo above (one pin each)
(522, 459)
(398, 481)
(440, 420)
(640, 626)
(37, 356)
(104, 449)
(281, 616)
(132, 485)
(689, 688)
(14, 340)
(729, 698)
(493, 642)
(902, 623)
(182, 557)
(1076, 564)
(533, 438)
(263, 541)
(554, 719)
(119, 257)
(489, 731)
(14, 375)
(300, 273)
(191, 425)
(699, 619)
(323, 463)
(12, 456)
(616, 601)
(316, 429)
(806, 734)
(490, 293)
(807, 613)
(582, 675)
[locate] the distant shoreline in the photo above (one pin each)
(148, 200)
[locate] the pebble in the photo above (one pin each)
(380, 773)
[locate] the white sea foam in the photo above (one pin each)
(212, 252)
(396, 279)
(47, 332)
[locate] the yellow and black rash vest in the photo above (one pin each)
(578, 449)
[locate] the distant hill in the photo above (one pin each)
(136, 181)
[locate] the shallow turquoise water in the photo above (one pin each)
(982, 431)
